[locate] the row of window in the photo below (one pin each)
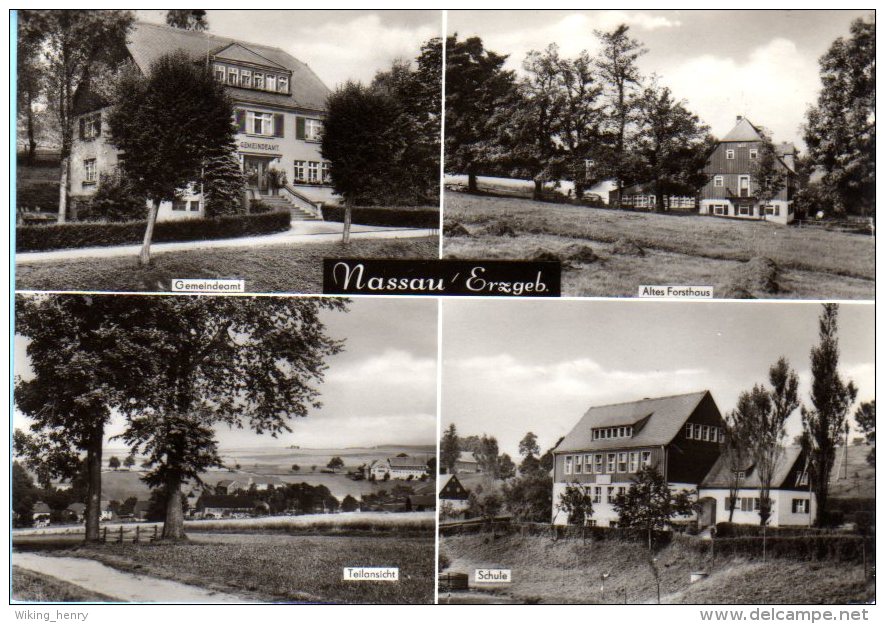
(754, 154)
(607, 463)
(312, 172)
(250, 79)
(271, 125)
(649, 201)
(182, 205)
(613, 432)
(611, 492)
(705, 433)
(749, 503)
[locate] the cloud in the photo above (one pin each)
(391, 367)
(772, 88)
(357, 48)
(573, 33)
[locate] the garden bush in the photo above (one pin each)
(86, 234)
(807, 548)
(389, 217)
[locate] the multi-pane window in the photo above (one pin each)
(720, 209)
(92, 126)
(259, 123)
(622, 462)
(588, 464)
(612, 432)
(610, 494)
(271, 82)
(313, 171)
(233, 76)
(179, 205)
(597, 463)
(283, 84)
(754, 154)
(568, 464)
(800, 505)
(300, 166)
(91, 168)
(579, 468)
(611, 462)
(773, 210)
(313, 129)
(327, 173)
(220, 73)
(718, 181)
(645, 458)
(246, 78)
(744, 210)
(634, 461)
(597, 494)
(729, 154)
(258, 80)
(195, 205)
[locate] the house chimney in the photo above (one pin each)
(740, 117)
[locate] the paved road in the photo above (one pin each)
(301, 232)
(122, 586)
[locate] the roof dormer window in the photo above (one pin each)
(233, 76)
(283, 84)
(246, 79)
(271, 82)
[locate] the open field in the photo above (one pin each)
(266, 269)
(687, 250)
(548, 571)
(28, 586)
(278, 568)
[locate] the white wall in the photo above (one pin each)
(781, 499)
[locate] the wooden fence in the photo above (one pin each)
(135, 534)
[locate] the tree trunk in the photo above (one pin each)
(173, 527)
(63, 190)
(145, 258)
(348, 210)
(579, 190)
(93, 488)
(536, 192)
(659, 201)
(471, 183)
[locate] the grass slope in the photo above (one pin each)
(30, 586)
(568, 571)
(281, 568)
(266, 269)
(679, 249)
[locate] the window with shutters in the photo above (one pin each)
(91, 169)
(313, 129)
(259, 123)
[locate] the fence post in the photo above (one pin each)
(137, 533)
(121, 534)
(105, 536)
(156, 532)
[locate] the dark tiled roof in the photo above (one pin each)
(720, 474)
(743, 131)
(148, 42)
(665, 415)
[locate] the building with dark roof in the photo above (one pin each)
(731, 190)
(681, 436)
(279, 108)
(678, 435)
(466, 463)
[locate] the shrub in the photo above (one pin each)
(85, 234)
(807, 548)
(390, 217)
(114, 200)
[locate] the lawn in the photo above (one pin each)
(280, 568)
(268, 269)
(28, 586)
(690, 249)
(546, 571)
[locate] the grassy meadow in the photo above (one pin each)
(266, 269)
(561, 572)
(28, 586)
(678, 249)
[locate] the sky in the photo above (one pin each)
(337, 45)
(380, 390)
(512, 366)
(762, 65)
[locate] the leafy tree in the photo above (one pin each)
(358, 143)
(841, 129)
(528, 446)
(187, 19)
(24, 495)
(431, 466)
(649, 505)
(82, 361)
(336, 463)
(484, 505)
(295, 467)
(576, 502)
(671, 144)
(487, 456)
(506, 467)
(449, 449)
(831, 397)
(161, 158)
(477, 87)
(738, 457)
(30, 85)
(768, 173)
(129, 462)
(619, 72)
(114, 463)
(865, 416)
(546, 460)
(762, 414)
(75, 44)
(115, 199)
(349, 504)
(156, 511)
(529, 497)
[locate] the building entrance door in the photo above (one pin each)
(255, 168)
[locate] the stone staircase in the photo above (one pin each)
(277, 202)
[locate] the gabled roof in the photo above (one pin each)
(720, 474)
(467, 456)
(664, 418)
(237, 52)
(407, 462)
(147, 42)
(41, 508)
(743, 131)
(445, 479)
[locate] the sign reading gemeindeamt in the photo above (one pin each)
(486, 278)
(676, 292)
(371, 574)
(209, 285)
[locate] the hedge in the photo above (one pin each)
(95, 234)
(389, 217)
(807, 548)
